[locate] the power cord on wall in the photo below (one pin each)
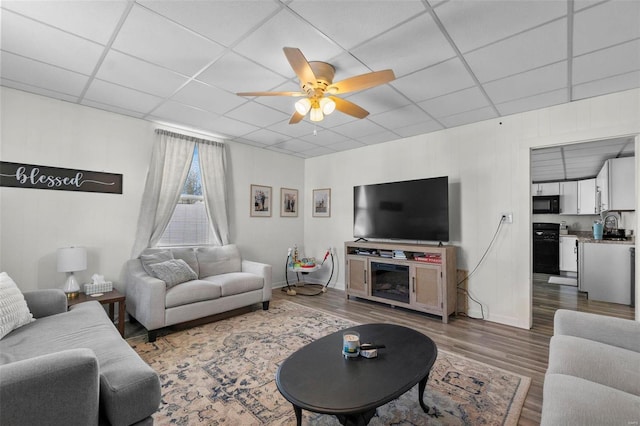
(502, 220)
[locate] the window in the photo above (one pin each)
(189, 224)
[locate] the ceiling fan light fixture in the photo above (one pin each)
(316, 114)
(303, 106)
(327, 105)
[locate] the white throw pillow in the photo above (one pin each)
(173, 272)
(14, 312)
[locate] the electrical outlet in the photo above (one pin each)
(507, 217)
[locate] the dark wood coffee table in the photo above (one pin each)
(318, 378)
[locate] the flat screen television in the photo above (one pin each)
(407, 210)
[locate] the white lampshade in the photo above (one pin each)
(303, 106)
(72, 259)
(327, 105)
(316, 114)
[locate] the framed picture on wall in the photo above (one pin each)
(288, 202)
(260, 201)
(322, 202)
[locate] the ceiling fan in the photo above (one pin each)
(319, 90)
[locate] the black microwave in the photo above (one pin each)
(549, 204)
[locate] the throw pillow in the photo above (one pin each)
(155, 257)
(14, 312)
(173, 272)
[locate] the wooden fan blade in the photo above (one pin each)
(296, 118)
(300, 65)
(348, 107)
(361, 82)
(271, 94)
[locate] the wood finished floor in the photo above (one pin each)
(521, 351)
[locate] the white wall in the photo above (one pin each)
(34, 222)
(488, 165)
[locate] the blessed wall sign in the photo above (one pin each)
(19, 175)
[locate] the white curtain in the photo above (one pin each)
(214, 188)
(170, 162)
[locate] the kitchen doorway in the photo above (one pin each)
(559, 172)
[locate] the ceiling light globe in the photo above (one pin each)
(327, 105)
(303, 106)
(316, 114)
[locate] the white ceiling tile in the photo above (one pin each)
(208, 98)
(541, 46)
(401, 117)
(454, 103)
(94, 20)
(346, 145)
(231, 127)
(529, 83)
(358, 128)
(112, 108)
(603, 86)
(238, 74)
(257, 114)
(405, 49)
(378, 137)
(324, 137)
(121, 97)
(468, 117)
(37, 90)
(447, 77)
(267, 137)
(318, 151)
(606, 24)
(534, 102)
(613, 61)
(140, 75)
(356, 23)
(472, 24)
(264, 46)
(221, 21)
(40, 42)
(296, 145)
(43, 76)
(418, 129)
(180, 113)
(298, 130)
(155, 39)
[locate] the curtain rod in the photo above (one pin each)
(187, 138)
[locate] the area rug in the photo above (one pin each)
(223, 373)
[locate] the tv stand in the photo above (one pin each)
(423, 280)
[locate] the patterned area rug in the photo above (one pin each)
(223, 373)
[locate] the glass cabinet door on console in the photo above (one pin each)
(357, 270)
(426, 285)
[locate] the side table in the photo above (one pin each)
(108, 298)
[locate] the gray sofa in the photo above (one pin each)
(593, 376)
(72, 368)
(165, 287)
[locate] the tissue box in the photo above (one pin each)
(98, 288)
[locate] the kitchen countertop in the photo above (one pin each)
(587, 237)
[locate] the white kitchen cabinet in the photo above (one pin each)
(604, 271)
(616, 185)
(568, 253)
(587, 200)
(550, 188)
(569, 197)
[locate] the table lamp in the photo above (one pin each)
(72, 259)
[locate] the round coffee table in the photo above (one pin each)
(318, 378)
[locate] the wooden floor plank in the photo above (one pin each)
(521, 351)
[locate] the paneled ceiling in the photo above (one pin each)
(456, 62)
(577, 161)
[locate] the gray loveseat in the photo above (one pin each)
(593, 376)
(165, 287)
(72, 368)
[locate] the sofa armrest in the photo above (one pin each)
(618, 332)
(263, 270)
(145, 296)
(58, 388)
(43, 303)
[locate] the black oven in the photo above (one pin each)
(549, 204)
